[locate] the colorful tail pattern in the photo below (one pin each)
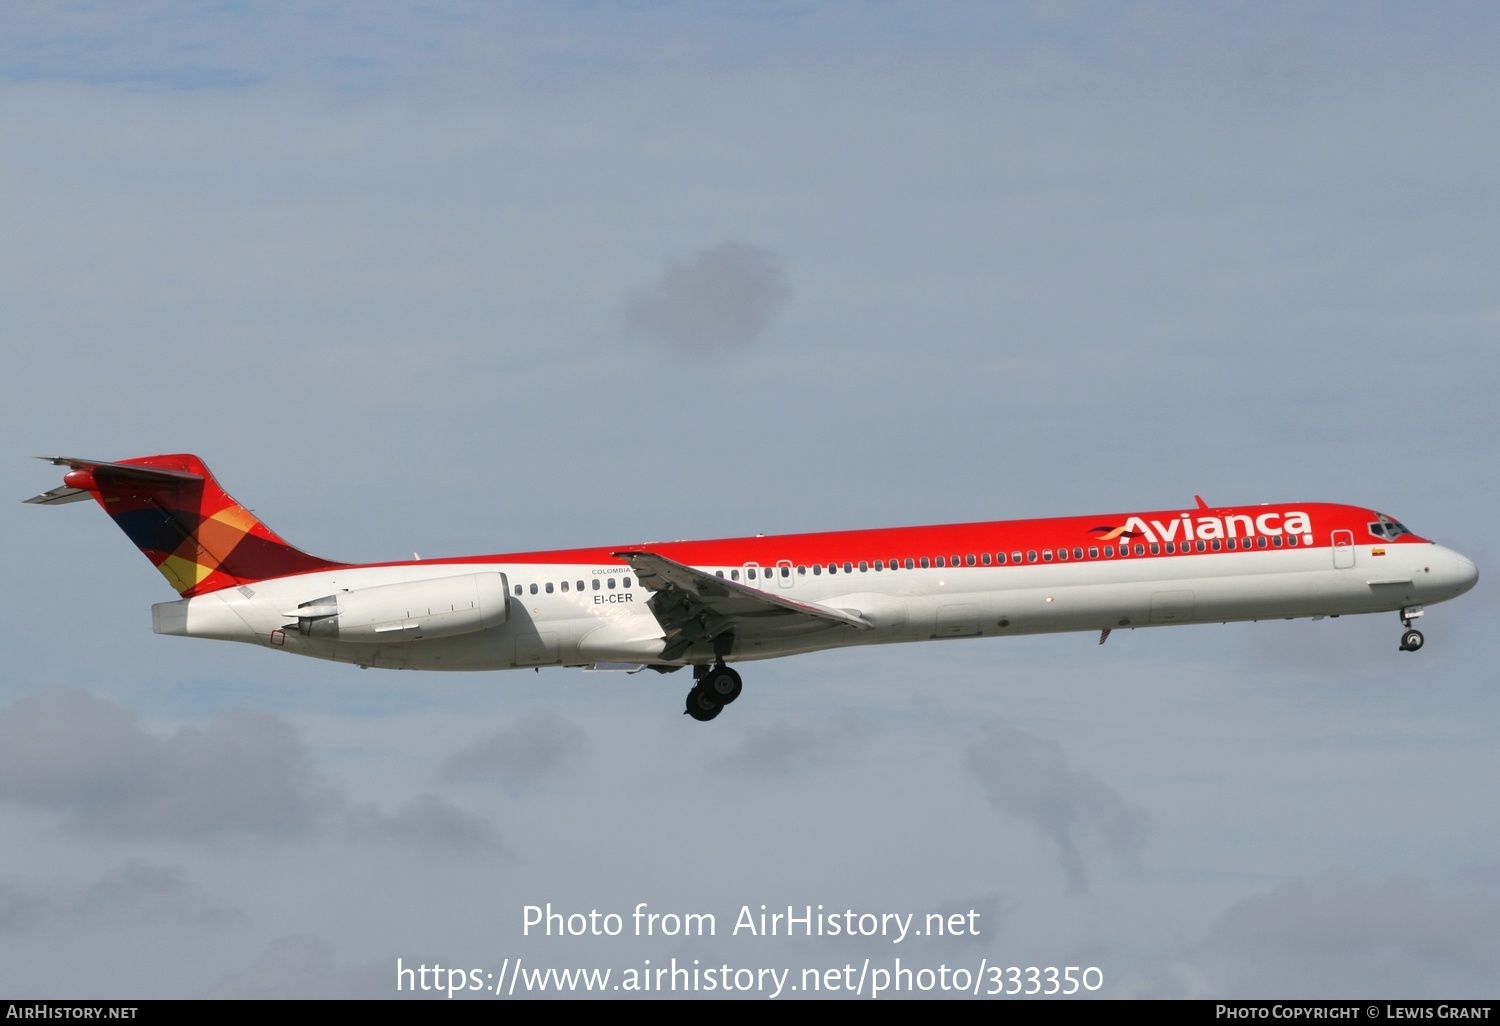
(191, 529)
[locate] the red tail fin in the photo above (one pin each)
(192, 531)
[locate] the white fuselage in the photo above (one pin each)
(604, 615)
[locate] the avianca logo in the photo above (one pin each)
(1207, 527)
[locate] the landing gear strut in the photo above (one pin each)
(1411, 638)
(717, 686)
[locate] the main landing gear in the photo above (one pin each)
(1411, 638)
(716, 687)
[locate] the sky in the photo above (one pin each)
(466, 277)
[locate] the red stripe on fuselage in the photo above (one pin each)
(949, 540)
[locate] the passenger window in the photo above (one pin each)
(734, 575)
(833, 568)
(969, 560)
(1046, 555)
(1062, 553)
(1015, 557)
(750, 573)
(848, 568)
(719, 573)
(1260, 542)
(1155, 549)
(518, 589)
(549, 587)
(1140, 550)
(533, 589)
(817, 569)
(580, 585)
(1077, 553)
(984, 557)
(565, 587)
(1093, 552)
(801, 571)
(1031, 555)
(627, 582)
(1109, 551)
(953, 561)
(926, 563)
(1216, 545)
(863, 566)
(1291, 539)
(879, 564)
(611, 583)
(1200, 546)
(1230, 545)
(1000, 558)
(1171, 548)
(1277, 541)
(595, 584)
(786, 571)
(911, 564)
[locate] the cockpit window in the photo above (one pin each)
(1387, 528)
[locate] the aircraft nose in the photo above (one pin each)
(1467, 573)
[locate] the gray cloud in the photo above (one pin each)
(1029, 778)
(304, 966)
(136, 893)
(426, 820)
(1337, 935)
(533, 748)
(244, 773)
(778, 749)
(720, 302)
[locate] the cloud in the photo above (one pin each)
(1337, 935)
(778, 749)
(136, 893)
(535, 747)
(1029, 778)
(719, 303)
(304, 967)
(244, 773)
(426, 820)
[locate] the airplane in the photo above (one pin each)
(707, 604)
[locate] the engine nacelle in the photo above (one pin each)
(437, 608)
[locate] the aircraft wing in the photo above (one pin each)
(696, 607)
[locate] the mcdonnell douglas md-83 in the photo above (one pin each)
(706, 604)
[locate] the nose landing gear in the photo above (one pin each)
(1411, 638)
